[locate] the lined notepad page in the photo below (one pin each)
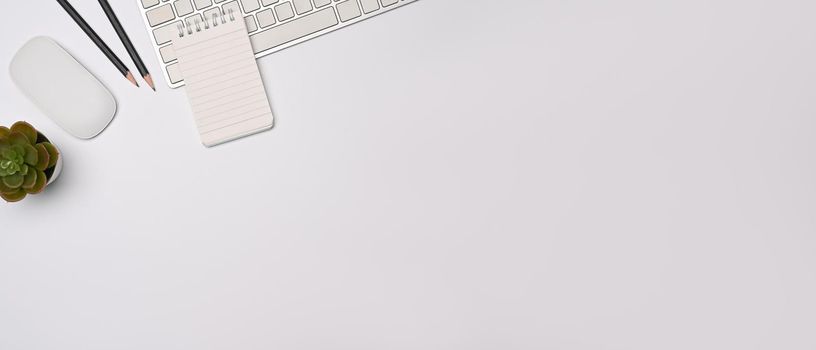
(223, 83)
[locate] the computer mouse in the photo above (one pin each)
(62, 88)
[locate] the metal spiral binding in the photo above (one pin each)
(197, 23)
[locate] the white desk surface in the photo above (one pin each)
(452, 175)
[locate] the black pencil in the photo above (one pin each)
(97, 40)
(128, 44)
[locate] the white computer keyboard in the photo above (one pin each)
(272, 24)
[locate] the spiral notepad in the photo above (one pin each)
(223, 83)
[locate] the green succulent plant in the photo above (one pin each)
(23, 161)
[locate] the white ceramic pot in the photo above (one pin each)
(57, 169)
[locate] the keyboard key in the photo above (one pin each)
(387, 3)
(269, 2)
(159, 15)
(174, 73)
(208, 15)
(302, 6)
(321, 3)
(295, 29)
(149, 3)
(250, 24)
(284, 11)
(168, 54)
(265, 18)
(195, 22)
(370, 6)
(166, 33)
(202, 4)
(183, 7)
(348, 10)
(232, 5)
(250, 5)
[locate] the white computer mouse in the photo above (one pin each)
(62, 88)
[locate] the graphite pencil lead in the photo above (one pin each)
(149, 81)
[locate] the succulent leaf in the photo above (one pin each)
(39, 184)
(6, 189)
(29, 179)
(6, 151)
(17, 138)
(52, 153)
(42, 157)
(27, 130)
(12, 159)
(4, 131)
(13, 181)
(15, 196)
(7, 167)
(30, 156)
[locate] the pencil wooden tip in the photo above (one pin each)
(149, 81)
(130, 77)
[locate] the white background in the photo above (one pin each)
(455, 174)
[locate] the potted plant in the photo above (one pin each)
(28, 161)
